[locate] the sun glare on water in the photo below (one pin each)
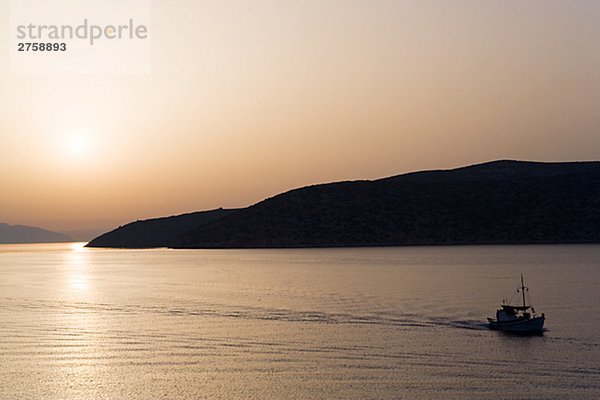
(78, 268)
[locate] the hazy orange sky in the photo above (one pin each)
(248, 99)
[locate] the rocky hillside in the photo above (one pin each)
(502, 202)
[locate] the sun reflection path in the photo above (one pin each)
(78, 264)
(78, 247)
(79, 369)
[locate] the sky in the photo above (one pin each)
(247, 99)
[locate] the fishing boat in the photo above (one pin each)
(518, 319)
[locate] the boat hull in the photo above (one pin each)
(533, 325)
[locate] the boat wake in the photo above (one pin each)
(215, 310)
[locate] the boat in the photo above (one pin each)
(518, 319)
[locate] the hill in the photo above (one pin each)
(157, 232)
(14, 234)
(501, 202)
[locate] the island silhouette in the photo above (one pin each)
(499, 202)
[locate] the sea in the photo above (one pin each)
(359, 323)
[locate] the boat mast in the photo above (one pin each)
(523, 290)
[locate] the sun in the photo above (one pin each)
(77, 145)
(76, 148)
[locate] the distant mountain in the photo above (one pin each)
(501, 202)
(158, 232)
(13, 234)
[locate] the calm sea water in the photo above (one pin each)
(389, 323)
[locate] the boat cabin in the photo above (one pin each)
(513, 313)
